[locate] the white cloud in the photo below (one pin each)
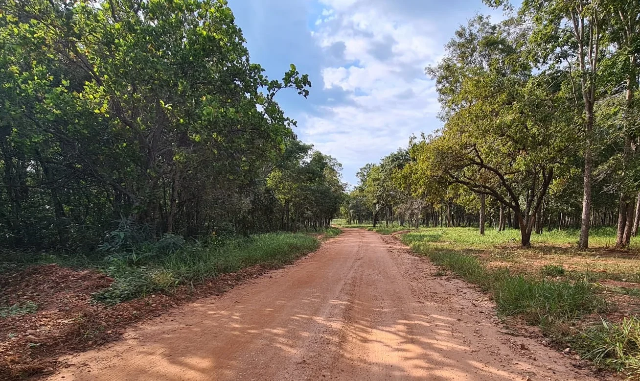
(382, 70)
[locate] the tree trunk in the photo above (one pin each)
(586, 197)
(501, 223)
(625, 214)
(636, 220)
(540, 219)
(482, 212)
(526, 225)
(375, 217)
(626, 236)
(173, 202)
(623, 205)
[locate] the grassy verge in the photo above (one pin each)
(539, 301)
(386, 230)
(139, 274)
(566, 292)
(150, 267)
(332, 232)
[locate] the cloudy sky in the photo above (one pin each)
(366, 61)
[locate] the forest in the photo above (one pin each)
(541, 123)
(129, 121)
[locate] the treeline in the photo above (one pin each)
(541, 127)
(146, 113)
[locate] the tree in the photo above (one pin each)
(147, 111)
(624, 34)
(572, 32)
(497, 139)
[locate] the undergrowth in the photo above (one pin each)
(140, 272)
(332, 232)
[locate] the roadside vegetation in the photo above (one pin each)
(530, 189)
(165, 265)
(587, 301)
(92, 298)
(143, 156)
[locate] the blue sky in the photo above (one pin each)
(366, 61)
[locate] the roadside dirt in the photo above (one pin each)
(360, 308)
(68, 321)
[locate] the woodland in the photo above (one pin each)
(541, 128)
(125, 121)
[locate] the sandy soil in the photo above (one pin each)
(360, 308)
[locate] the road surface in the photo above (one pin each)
(360, 308)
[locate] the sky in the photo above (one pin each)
(365, 60)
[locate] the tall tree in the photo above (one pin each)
(624, 34)
(571, 32)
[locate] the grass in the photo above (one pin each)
(159, 266)
(552, 271)
(139, 274)
(552, 285)
(615, 346)
(469, 237)
(332, 232)
(539, 301)
(381, 227)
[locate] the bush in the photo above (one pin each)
(126, 237)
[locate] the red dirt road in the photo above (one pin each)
(360, 308)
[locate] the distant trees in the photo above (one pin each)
(308, 187)
(149, 111)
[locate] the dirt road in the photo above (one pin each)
(360, 308)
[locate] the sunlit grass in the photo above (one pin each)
(552, 284)
(196, 262)
(470, 238)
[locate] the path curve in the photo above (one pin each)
(360, 308)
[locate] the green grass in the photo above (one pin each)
(553, 271)
(539, 301)
(381, 227)
(469, 237)
(386, 230)
(615, 346)
(552, 285)
(332, 232)
(546, 302)
(138, 275)
(158, 266)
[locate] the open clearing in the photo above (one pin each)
(361, 307)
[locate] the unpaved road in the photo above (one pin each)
(360, 308)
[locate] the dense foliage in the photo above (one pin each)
(541, 127)
(146, 114)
